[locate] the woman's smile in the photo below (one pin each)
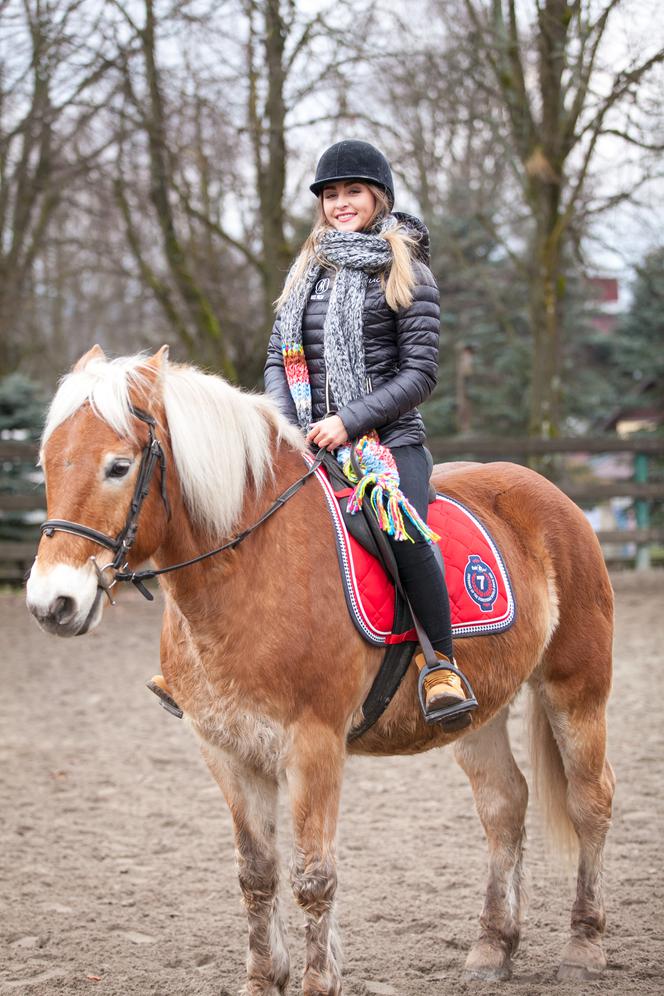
(349, 205)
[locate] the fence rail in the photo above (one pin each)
(643, 492)
(16, 556)
(32, 502)
(15, 449)
(444, 447)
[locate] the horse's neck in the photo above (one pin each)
(197, 590)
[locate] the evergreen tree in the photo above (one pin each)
(638, 353)
(22, 407)
(484, 325)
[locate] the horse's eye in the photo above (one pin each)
(118, 468)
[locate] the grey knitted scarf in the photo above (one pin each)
(355, 256)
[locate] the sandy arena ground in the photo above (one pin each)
(116, 851)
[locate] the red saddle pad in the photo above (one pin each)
(481, 598)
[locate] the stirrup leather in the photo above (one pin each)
(447, 713)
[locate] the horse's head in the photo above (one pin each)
(93, 450)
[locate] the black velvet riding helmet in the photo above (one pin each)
(354, 160)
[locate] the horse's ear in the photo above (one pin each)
(96, 353)
(156, 369)
(159, 361)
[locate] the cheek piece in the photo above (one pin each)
(123, 542)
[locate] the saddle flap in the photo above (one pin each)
(358, 526)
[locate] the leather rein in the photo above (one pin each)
(120, 546)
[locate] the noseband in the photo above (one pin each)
(152, 455)
(123, 542)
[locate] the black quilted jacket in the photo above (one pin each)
(401, 355)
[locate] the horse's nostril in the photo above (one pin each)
(63, 609)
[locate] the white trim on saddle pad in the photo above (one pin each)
(365, 625)
(353, 597)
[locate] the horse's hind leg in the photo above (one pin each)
(252, 800)
(314, 774)
(501, 798)
(577, 717)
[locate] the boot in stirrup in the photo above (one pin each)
(158, 685)
(445, 694)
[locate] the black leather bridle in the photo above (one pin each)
(152, 455)
(120, 546)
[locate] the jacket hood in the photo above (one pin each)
(419, 231)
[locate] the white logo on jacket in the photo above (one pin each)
(321, 289)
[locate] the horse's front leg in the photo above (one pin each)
(252, 799)
(314, 774)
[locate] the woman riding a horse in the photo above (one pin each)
(354, 349)
(145, 459)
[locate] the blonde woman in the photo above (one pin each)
(354, 350)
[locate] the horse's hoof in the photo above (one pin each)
(577, 973)
(503, 974)
(582, 960)
(489, 962)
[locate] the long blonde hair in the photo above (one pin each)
(397, 283)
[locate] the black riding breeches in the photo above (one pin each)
(420, 574)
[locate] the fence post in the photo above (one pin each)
(642, 509)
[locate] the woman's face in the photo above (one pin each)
(348, 205)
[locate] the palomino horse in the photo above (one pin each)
(259, 651)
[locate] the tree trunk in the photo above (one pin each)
(268, 137)
(198, 306)
(547, 287)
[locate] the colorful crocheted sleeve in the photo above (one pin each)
(276, 383)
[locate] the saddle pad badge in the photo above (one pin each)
(480, 582)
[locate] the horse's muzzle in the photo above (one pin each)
(64, 600)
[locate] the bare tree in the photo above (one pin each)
(430, 106)
(213, 142)
(191, 314)
(560, 97)
(50, 93)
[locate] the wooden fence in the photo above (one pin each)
(16, 556)
(644, 492)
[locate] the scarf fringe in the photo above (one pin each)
(388, 502)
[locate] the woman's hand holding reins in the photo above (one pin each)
(329, 433)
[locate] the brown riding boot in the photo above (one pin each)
(443, 689)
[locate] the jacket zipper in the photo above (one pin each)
(327, 396)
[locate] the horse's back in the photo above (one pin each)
(549, 546)
(526, 505)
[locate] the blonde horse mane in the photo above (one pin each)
(221, 437)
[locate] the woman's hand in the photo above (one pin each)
(329, 433)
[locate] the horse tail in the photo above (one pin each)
(550, 780)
